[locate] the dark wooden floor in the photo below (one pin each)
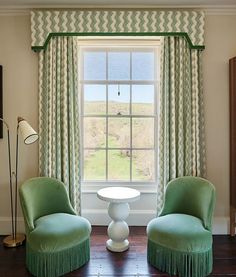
(130, 263)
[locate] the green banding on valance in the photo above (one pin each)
(45, 24)
(38, 48)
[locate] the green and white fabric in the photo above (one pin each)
(181, 127)
(59, 115)
(46, 24)
(181, 148)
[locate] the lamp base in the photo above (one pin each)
(9, 241)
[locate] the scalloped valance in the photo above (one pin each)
(45, 24)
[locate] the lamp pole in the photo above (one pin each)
(16, 177)
(29, 136)
(10, 174)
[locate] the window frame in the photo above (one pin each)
(103, 44)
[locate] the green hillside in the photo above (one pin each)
(119, 137)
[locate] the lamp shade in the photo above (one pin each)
(28, 133)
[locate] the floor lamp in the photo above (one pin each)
(29, 136)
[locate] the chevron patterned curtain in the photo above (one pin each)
(59, 114)
(181, 121)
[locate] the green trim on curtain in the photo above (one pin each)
(181, 120)
(59, 115)
(181, 34)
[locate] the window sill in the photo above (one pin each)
(143, 187)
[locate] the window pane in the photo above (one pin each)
(143, 132)
(119, 132)
(94, 66)
(143, 165)
(123, 111)
(94, 99)
(94, 165)
(94, 132)
(142, 65)
(118, 66)
(143, 99)
(118, 99)
(118, 165)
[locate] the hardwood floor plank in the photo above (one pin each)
(131, 263)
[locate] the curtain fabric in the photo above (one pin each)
(59, 114)
(128, 22)
(181, 149)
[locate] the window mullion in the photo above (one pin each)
(120, 82)
(106, 116)
(81, 86)
(119, 148)
(131, 120)
(120, 116)
(155, 113)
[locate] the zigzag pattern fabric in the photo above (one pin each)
(59, 115)
(44, 23)
(181, 150)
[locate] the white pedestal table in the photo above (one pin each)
(118, 210)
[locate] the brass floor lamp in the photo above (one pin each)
(29, 136)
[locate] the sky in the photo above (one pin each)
(118, 67)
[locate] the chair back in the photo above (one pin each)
(190, 195)
(43, 196)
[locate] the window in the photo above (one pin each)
(118, 88)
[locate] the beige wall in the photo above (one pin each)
(20, 98)
(220, 41)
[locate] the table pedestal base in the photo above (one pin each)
(117, 246)
(118, 229)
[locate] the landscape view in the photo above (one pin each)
(119, 124)
(119, 137)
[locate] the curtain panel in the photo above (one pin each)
(181, 127)
(181, 149)
(59, 114)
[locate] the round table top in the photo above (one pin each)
(118, 194)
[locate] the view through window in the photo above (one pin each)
(119, 108)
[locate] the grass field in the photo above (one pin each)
(119, 137)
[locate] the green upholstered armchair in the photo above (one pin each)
(180, 238)
(57, 240)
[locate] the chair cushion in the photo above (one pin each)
(180, 232)
(59, 231)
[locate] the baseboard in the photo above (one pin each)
(221, 225)
(5, 225)
(142, 217)
(100, 217)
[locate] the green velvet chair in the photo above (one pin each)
(57, 240)
(180, 238)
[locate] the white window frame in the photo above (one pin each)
(122, 42)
